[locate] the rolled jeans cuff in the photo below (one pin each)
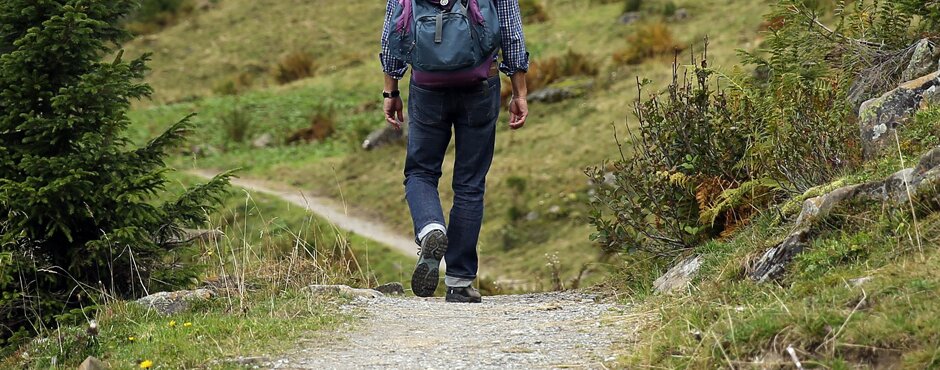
(457, 282)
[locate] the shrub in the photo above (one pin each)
(80, 218)
(155, 15)
(294, 66)
(632, 5)
(649, 40)
(532, 11)
(707, 158)
(234, 85)
(544, 72)
(236, 124)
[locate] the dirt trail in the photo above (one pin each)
(328, 209)
(531, 331)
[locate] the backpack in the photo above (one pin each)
(446, 42)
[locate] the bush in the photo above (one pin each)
(532, 11)
(155, 15)
(706, 158)
(236, 124)
(632, 5)
(80, 218)
(649, 40)
(294, 66)
(544, 72)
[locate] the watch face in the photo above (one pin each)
(445, 2)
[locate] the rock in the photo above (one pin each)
(921, 183)
(630, 17)
(171, 303)
(860, 281)
(679, 276)
(551, 95)
(681, 14)
(194, 235)
(263, 141)
(532, 216)
(92, 363)
(923, 61)
(343, 291)
(386, 135)
(880, 117)
(391, 289)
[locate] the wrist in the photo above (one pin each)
(391, 94)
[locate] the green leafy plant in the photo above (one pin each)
(81, 218)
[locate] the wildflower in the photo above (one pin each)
(172, 323)
(187, 324)
(146, 364)
(131, 339)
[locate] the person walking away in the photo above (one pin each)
(452, 47)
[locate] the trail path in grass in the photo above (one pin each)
(531, 331)
(329, 209)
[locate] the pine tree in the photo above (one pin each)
(78, 208)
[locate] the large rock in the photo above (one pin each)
(387, 135)
(92, 363)
(391, 289)
(880, 117)
(564, 90)
(343, 291)
(679, 276)
(171, 303)
(921, 183)
(923, 61)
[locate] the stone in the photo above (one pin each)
(919, 182)
(387, 135)
(857, 282)
(679, 277)
(880, 117)
(263, 141)
(171, 303)
(923, 61)
(395, 288)
(630, 17)
(92, 363)
(343, 291)
(551, 95)
(681, 14)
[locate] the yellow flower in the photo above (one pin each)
(131, 339)
(210, 252)
(187, 324)
(172, 323)
(146, 364)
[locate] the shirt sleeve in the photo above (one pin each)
(392, 66)
(515, 55)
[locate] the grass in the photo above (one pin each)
(550, 154)
(270, 251)
(819, 307)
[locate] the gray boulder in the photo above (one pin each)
(923, 60)
(630, 17)
(342, 291)
(263, 141)
(551, 95)
(880, 117)
(391, 289)
(920, 183)
(387, 135)
(92, 363)
(678, 277)
(171, 303)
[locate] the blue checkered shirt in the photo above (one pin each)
(515, 55)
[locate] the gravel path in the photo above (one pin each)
(532, 331)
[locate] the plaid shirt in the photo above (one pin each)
(515, 56)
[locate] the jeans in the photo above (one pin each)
(472, 112)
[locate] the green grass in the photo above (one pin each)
(727, 320)
(210, 335)
(550, 154)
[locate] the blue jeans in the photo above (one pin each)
(472, 112)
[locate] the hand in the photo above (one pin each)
(394, 112)
(518, 112)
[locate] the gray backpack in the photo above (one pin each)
(446, 42)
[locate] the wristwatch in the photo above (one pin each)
(393, 94)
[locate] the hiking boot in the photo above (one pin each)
(463, 295)
(427, 271)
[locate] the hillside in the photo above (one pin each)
(547, 158)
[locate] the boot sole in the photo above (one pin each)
(426, 276)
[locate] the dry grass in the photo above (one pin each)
(533, 11)
(546, 71)
(650, 40)
(294, 66)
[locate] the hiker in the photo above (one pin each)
(451, 46)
